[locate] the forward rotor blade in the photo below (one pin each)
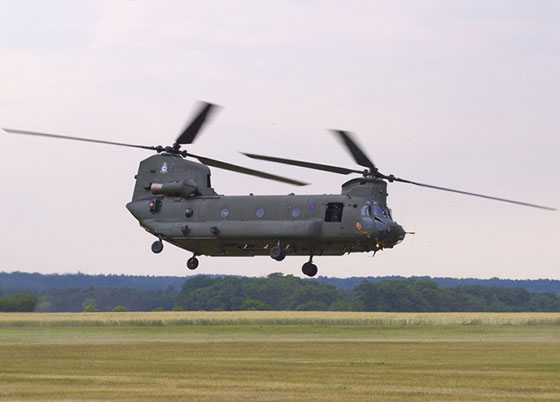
(309, 165)
(360, 158)
(526, 204)
(190, 132)
(66, 137)
(244, 170)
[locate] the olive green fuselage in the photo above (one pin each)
(201, 221)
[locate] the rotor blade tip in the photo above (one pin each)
(210, 105)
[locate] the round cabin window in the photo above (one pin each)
(260, 212)
(224, 213)
(296, 212)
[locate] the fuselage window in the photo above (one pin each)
(334, 212)
(224, 212)
(260, 212)
(296, 212)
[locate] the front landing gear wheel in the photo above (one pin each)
(309, 269)
(192, 263)
(157, 246)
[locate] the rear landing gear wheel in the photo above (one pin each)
(309, 269)
(277, 253)
(157, 246)
(192, 263)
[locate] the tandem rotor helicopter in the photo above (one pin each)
(173, 200)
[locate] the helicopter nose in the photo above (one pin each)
(398, 233)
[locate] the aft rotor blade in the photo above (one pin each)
(309, 165)
(66, 137)
(526, 204)
(190, 132)
(244, 170)
(359, 156)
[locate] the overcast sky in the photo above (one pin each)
(462, 94)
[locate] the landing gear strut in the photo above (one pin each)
(157, 246)
(309, 268)
(277, 253)
(192, 263)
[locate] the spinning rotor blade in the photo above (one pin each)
(359, 156)
(190, 132)
(392, 178)
(310, 165)
(66, 137)
(244, 170)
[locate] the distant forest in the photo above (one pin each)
(79, 292)
(35, 282)
(278, 292)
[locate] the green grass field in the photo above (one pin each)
(279, 356)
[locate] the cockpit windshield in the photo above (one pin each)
(378, 210)
(372, 208)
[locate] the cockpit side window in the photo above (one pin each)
(389, 215)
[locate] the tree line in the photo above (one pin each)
(74, 300)
(286, 292)
(279, 292)
(532, 285)
(424, 295)
(18, 303)
(36, 282)
(15, 282)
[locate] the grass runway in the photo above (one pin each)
(168, 356)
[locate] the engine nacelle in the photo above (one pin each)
(185, 189)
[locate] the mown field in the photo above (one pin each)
(169, 356)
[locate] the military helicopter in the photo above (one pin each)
(173, 199)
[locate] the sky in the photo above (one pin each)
(461, 94)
